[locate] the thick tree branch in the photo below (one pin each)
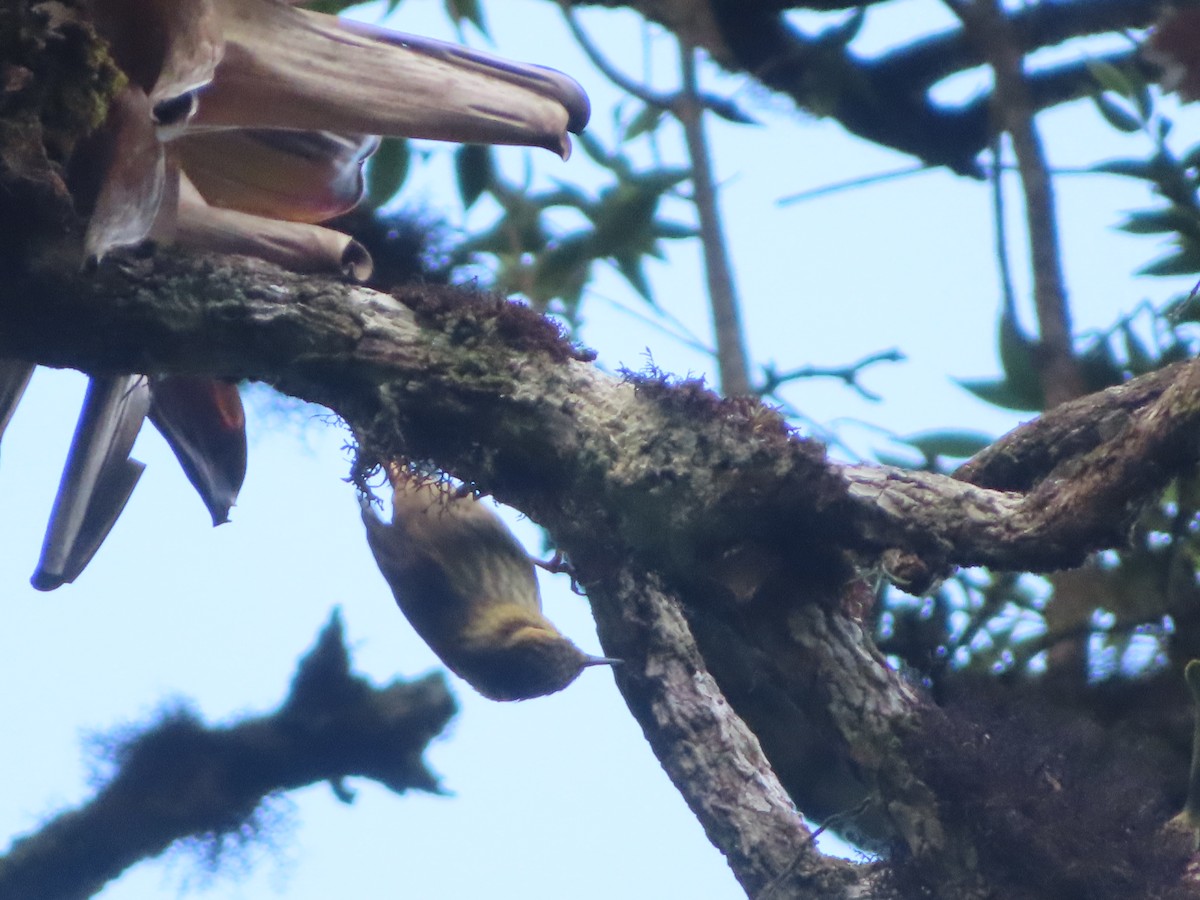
(673, 506)
(498, 399)
(715, 498)
(713, 759)
(886, 99)
(1028, 454)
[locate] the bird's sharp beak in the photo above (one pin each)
(602, 661)
(295, 69)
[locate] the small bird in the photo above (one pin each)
(469, 589)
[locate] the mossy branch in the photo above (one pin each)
(180, 778)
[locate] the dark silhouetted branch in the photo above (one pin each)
(180, 778)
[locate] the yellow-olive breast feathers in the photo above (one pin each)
(470, 591)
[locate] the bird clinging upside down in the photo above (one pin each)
(470, 591)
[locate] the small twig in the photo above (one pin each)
(667, 102)
(851, 183)
(1177, 313)
(683, 335)
(1013, 110)
(782, 885)
(1188, 819)
(1003, 264)
(706, 749)
(732, 361)
(849, 374)
(860, 181)
(688, 106)
(1028, 649)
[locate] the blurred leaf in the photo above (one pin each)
(1176, 352)
(473, 164)
(1162, 221)
(843, 33)
(1191, 159)
(630, 266)
(470, 10)
(1111, 78)
(728, 110)
(887, 458)
(645, 121)
(659, 181)
(1145, 104)
(598, 154)
(1000, 393)
(562, 271)
(1132, 168)
(624, 215)
(1183, 309)
(386, 171)
(674, 231)
(564, 195)
(1141, 360)
(1099, 367)
(331, 7)
(1116, 114)
(951, 442)
(1184, 261)
(518, 232)
(1018, 361)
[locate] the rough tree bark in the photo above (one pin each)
(668, 499)
(723, 555)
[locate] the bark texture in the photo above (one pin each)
(724, 555)
(704, 512)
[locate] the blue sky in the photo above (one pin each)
(559, 796)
